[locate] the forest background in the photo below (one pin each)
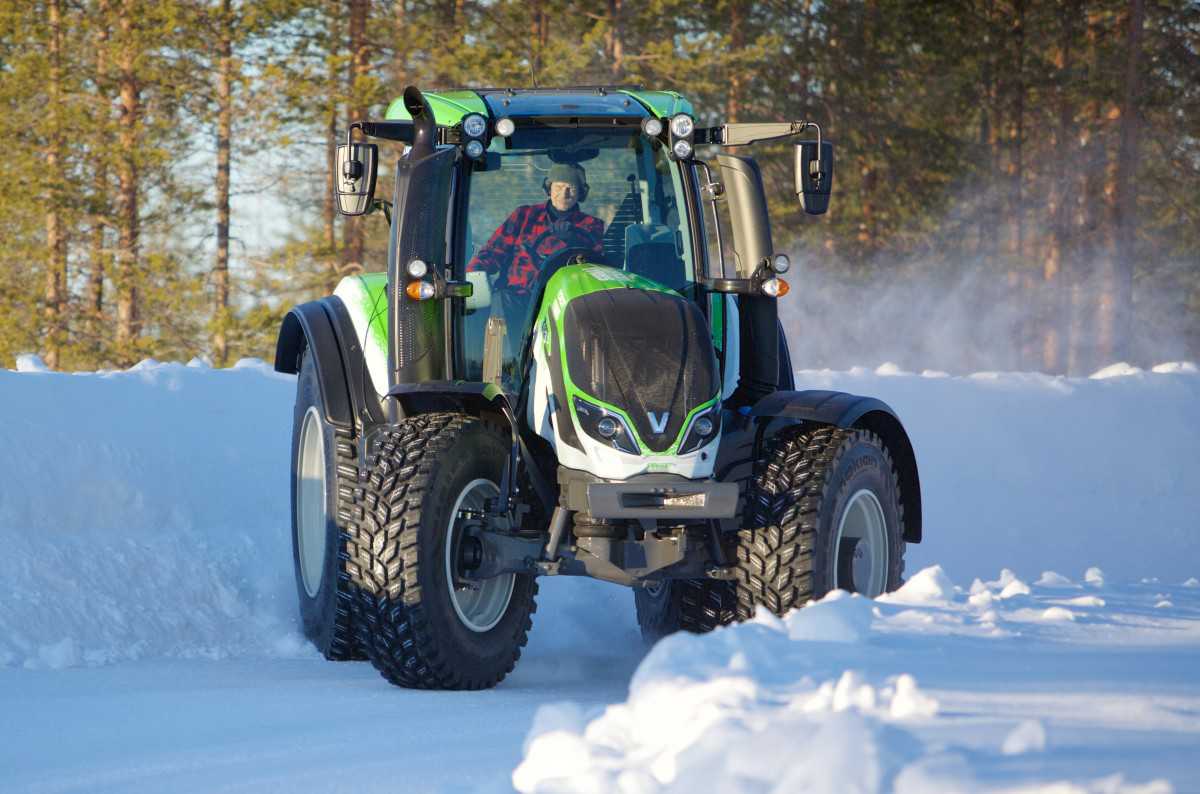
(1017, 183)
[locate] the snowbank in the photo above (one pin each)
(926, 690)
(1034, 472)
(144, 513)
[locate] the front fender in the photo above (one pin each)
(325, 327)
(309, 325)
(840, 409)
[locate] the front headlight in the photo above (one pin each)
(605, 426)
(701, 430)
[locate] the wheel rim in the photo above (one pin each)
(860, 551)
(480, 604)
(311, 514)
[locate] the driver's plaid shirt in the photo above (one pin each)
(524, 226)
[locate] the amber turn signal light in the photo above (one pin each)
(419, 290)
(775, 287)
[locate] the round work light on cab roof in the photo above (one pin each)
(682, 125)
(474, 125)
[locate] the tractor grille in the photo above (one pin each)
(644, 352)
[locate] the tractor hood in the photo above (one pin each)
(624, 347)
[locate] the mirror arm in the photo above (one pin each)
(386, 206)
(744, 134)
(814, 168)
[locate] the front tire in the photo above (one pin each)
(324, 470)
(823, 513)
(421, 625)
(694, 605)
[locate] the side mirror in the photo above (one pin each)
(355, 186)
(814, 175)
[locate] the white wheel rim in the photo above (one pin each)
(863, 521)
(311, 516)
(481, 604)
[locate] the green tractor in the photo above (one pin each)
(554, 377)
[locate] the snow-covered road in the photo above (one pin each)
(287, 724)
(148, 639)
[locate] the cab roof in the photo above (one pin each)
(450, 106)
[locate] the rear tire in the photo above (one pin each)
(324, 474)
(417, 627)
(694, 605)
(824, 512)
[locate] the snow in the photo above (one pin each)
(1028, 737)
(944, 700)
(31, 362)
(148, 636)
(1054, 579)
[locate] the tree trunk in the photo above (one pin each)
(1057, 267)
(128, 319)
(399, 59)
(220, 274)
(989, 138)
(614, 41)
(1016, 199)
(737, 42)
(802, 91)
(1083, 354)
(329, 213)
(329, 210)
(352, 228)
(101, 204)
(56, 241)
(539, 36)
(869, 162)
(1117, 324)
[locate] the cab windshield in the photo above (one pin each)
(624, 207)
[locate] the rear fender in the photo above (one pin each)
(785, 408)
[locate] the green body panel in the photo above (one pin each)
(574, 281)
(716, 311)
(663, 103)
(449, 108)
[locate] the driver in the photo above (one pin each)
(552, 227)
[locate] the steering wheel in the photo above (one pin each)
(556, 259)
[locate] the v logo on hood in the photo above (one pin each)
(658, 422)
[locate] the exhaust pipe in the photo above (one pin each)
(424, 126)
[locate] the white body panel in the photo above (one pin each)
(358, 302)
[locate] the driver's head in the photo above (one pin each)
(566, 184)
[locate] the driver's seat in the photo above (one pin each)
(650, 252)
